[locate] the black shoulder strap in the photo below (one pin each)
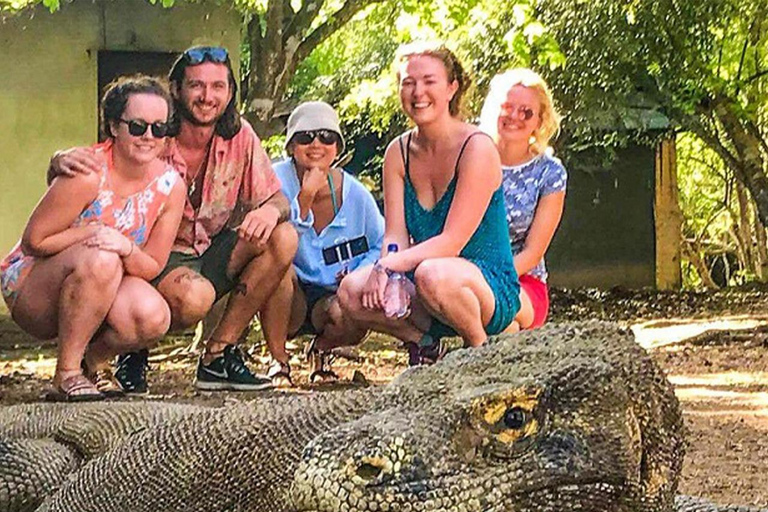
(463, 147)
(405, 150)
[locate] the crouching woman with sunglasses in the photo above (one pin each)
(340, 229)
(93, 241)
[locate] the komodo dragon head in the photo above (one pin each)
(574, 418)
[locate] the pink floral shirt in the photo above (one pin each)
(238, 178)
(133, 216)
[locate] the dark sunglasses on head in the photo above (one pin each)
(524, 112)
(326, 137)
(138, 127)
(198, 55)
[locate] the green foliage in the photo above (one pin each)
(705, 184)
(55, 5)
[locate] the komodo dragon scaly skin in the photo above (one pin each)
(570, 417)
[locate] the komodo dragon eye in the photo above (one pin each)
(508, 417)
(515, 418)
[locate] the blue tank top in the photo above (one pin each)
(488, 248)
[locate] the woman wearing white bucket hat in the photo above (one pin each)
(340, 229)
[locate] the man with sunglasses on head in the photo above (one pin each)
(232, 237)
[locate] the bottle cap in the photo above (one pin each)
(392, 248)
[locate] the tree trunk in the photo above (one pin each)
(691, 251)
(668, 218)
(762, 250)
(280, 39)
(750, 169)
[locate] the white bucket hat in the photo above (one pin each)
(313, 115)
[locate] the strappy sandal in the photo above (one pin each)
(280, 373)
(104, 380)
(426, 352)
(76, 388)
(319, 363)
(430, 354)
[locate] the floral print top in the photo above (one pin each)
(524, 185)
(133, 216)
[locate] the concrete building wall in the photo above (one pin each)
(48, 80)
(607, 235)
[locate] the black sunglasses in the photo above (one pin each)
(326, 137)
(200, 54)
(137, 127)
(525, 112)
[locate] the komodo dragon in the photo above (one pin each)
(571, 417)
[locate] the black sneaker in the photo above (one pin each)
(131, 371)
(229, 372)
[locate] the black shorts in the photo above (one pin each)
(314, 294)
(212, 264)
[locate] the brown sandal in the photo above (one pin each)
(105, 381)
(72, 389)
(320, 364)
(280, 373)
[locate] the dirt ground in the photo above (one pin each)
(713, 346)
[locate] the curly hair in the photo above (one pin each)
(229, 123)
(451, 63)
(118, 91)
(497, 95)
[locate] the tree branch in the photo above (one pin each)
(714, 143)
(743, 57)
(755, 77)
(302, 20)
(331, 25)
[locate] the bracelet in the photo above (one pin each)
(378, 267)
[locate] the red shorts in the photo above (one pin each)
(538, 293)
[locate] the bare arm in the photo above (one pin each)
(545, 221)
(280, 203)
(393, 182)
(73, 161)
(395, 232)
(149, 261)
(49, 230)
(479, 177)
(258, 224)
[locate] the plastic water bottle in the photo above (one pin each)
(397, 300)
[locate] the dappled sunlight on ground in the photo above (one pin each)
(659, 333)
(732, 401)
(42, 367)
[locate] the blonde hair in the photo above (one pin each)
(497, 95)
(453, 67)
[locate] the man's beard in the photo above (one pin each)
(181, 107)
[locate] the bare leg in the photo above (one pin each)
(283, 313)
(69, 295)
(456, 292)
(262, 271)
(410, 329)
(524, 317)
(336, 330)
(139, 317)
(189, 295)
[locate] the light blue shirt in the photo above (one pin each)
(358, 217)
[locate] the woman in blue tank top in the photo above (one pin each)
(444, 209)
